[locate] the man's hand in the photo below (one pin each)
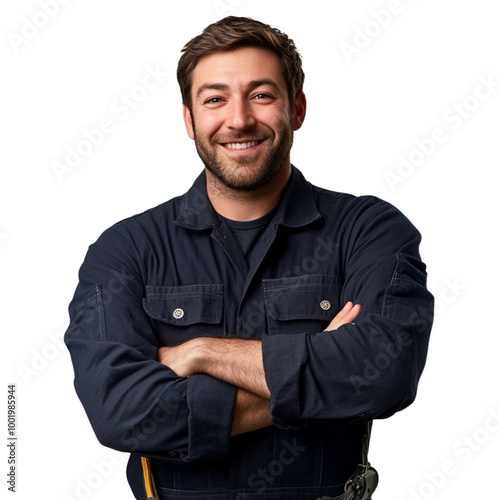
(346, 315)
(182, 358)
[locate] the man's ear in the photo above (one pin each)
(188, 121)
(299, 111)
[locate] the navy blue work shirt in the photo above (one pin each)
(176, 272)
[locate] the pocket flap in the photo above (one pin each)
(304, 297)
(185, 305)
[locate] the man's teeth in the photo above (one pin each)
(241, 145)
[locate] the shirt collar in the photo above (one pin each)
(296, 207)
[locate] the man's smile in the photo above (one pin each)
(241, 145)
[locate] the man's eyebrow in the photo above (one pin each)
(259, 83)
(222, 87)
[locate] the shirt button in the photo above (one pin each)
(178, 313)
(325, 305)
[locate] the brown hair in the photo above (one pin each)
(231, 33)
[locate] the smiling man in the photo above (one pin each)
(242, 120)
(261, 323)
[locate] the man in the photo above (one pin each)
(238, 340)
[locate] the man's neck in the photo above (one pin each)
(246, 205)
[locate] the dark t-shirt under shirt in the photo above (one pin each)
(247, 233)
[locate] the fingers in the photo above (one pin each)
(346, 315)
(350, 312)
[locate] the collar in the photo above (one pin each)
(296, 207)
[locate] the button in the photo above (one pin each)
(178, 313)
(325, 305)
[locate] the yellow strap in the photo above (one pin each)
(148, 478)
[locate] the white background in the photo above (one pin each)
(370, 97)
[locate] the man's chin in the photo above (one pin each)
(249, 180)
(242, 184)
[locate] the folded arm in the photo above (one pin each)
(370, 369)
(134, 403)
(238, 362)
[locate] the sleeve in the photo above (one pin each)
(133, 402)
(369, 369)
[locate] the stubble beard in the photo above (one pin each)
(230, 173)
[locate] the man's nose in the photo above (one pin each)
(240, 114)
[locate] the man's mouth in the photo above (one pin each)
(241, 145)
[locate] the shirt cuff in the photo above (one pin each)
(211, 408)
(284, 357)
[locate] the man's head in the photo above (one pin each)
(242, 91)
(234, 32)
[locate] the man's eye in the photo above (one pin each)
(262, 96)
(213, 100)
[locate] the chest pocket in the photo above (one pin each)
(303, 304)
(180, 313)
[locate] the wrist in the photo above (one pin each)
(198, 355)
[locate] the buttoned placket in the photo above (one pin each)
(225, 238)
(245, 270)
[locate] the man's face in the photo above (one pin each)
(241, 118)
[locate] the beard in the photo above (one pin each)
(246, 173)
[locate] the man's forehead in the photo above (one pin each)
(243, 65)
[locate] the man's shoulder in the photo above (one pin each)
(363, 214)
(169, 214)
(153, 214)
(153, 223)
(157, 212)
(337, 200)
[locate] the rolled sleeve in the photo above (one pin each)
(282, 367)
(211, 408)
